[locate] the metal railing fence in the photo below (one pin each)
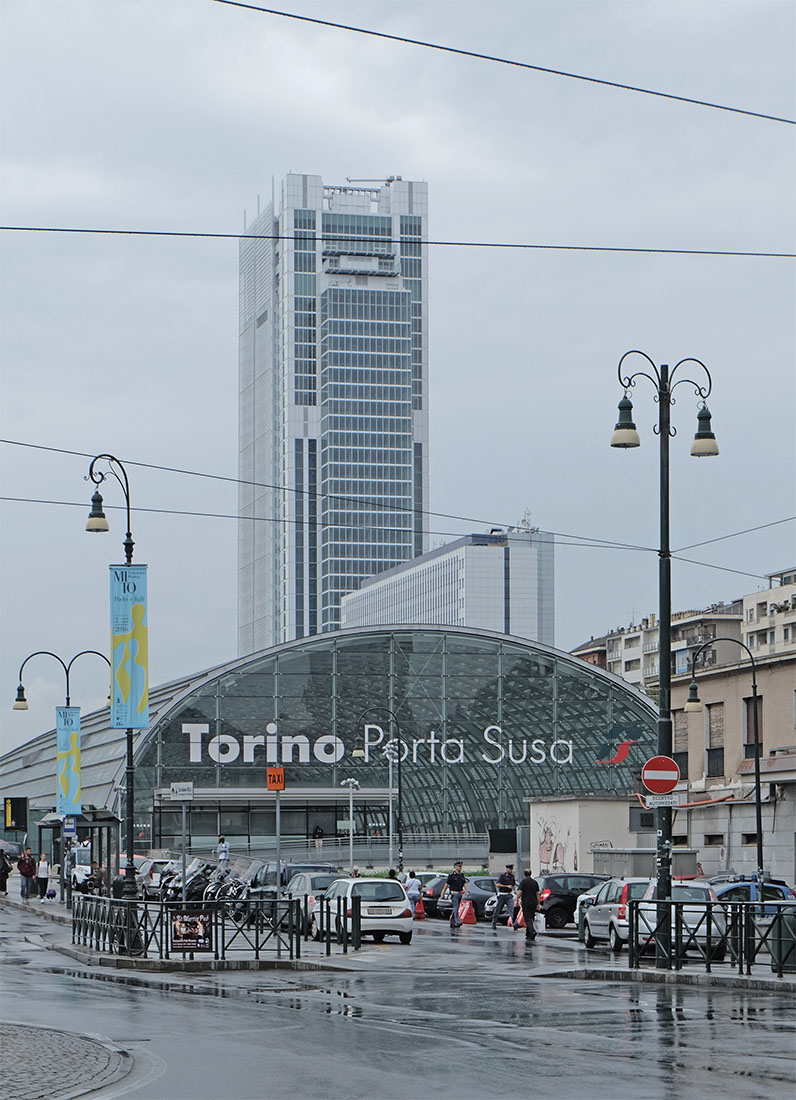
(740, 933)
(252, 927)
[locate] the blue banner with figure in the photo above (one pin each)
(67, 767)
(129, 648)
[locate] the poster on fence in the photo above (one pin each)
(191, 931)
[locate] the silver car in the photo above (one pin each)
(605, 918)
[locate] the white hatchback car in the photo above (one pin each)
(385, 908)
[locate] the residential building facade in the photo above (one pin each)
(502, 581)
(333, 411)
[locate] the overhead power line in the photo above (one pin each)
(561, 538)
(517, 245)
(556, 539)
(376, 504)
(504, 61)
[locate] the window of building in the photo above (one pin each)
(715, 763)
(680, 741)
(680, 840)
(748, 838)
(714, 840)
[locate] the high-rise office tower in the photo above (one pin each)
(333, 417)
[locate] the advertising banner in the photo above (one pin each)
(191, 931)
(67, 766)
(129, 648)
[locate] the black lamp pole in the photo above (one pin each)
(21, 703)
(626, 436)
(399, 747)
(694, 704)
(98, 522)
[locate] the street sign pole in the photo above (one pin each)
(183, 792)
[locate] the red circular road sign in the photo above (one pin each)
(660, 775)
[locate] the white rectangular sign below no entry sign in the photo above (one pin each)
(654, 801)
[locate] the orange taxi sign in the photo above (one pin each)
(275, 779)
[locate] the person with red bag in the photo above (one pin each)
(458, 887)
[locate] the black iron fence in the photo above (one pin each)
(252, 927)
(741, 934)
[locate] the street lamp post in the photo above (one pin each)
(694, 705)
(98, 523)
(626, 436)
(393, 750)
(21, 703)
(353, 785)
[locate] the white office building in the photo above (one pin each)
(502, 581)
(333, 422)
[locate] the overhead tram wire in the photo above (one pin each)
(375, 504)
(507, 245)
(558, 539)
(590, 539)
(504, 61)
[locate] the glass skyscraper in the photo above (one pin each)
(333, 420)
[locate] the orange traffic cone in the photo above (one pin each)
(420, 912)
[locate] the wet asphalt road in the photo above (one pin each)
(460, 1015)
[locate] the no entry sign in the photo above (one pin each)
(660, 775)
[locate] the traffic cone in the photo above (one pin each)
(420, 912)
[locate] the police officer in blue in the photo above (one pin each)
(505, 892)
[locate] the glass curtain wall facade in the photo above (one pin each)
(333, 447)
(483, 724)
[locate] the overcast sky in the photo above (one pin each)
(176, 116)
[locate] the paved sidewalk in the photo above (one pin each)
(41, 1063)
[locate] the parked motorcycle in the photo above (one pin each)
(197, 875)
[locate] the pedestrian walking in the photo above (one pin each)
(317, 836)
(42, 876)
(413, 891)
(458, 887)
(505, 892)
(222, 851)
(528, 897)
(5, 870)
(26, 865)
(354, 872)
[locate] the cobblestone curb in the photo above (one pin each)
(41, 1063)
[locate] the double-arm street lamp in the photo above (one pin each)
(21, 703)
(393, 750)
(626, 436)
(694, 706)
(98, 523)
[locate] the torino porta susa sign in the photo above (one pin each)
(270, 747)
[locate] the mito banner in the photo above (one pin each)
(129, 648)
(67, 748)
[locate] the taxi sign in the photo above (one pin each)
(275, 779)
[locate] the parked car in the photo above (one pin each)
(745, 889)
(559, 894)
(605, 915)
(430, 894)
(481, 890)
(310, 888)
(695, 923)
(12, 849)
(262, 883)
(385, 908)
(422, 877)
(149, 874)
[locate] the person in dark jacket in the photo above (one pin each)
(528, 897)
(5, 871)
(26, 865)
